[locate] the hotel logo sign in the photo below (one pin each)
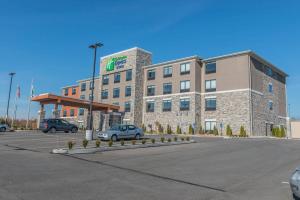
(116, 63)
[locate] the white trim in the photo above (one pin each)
(167, 99)
(210, 120)
(281, 117)
(186, 97)
(210, 97)
(123, 51)
(172, 61)
(227, 55)
(150, 100)
(175, 94)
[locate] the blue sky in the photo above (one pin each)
(48, 40)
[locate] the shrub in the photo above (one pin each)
(178, 130)
(282, 132)
(191, 130)
(242, 132)
(228, 131)
(143, 141)
(98, 143)
(169, 140)
(187, 138)
(152, 140)
(150, 126)
(182, 138)
(133, 142)
(71, 144)
(215, 131)
(144, 128)
(110, 143)
(160, 128)
(175, 139)
(85, 143)
(162, 139)
(122, 142)
(169, 130)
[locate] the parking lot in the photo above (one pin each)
(212, 168)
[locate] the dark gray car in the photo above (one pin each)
(53, 125)
(121, 132)
(4, 127)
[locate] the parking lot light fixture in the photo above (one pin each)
(89, 130)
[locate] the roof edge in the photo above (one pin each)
(173, 61)
(126, 50)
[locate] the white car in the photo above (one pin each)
(121, 132)
(4, 127)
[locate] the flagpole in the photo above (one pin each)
(29, 103)
(15, 110)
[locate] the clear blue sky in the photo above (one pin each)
(48, 40)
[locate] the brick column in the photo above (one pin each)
(55, 112)
(41, 115)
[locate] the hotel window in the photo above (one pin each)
(81, 111)
(270, 87)
(167, 88)
(73, 91)
(116, 103)
(270, 105)
(129, 75)
(64, 113)
(268, 71)
(127, 91)
(127, 106)
(166, 105)
(117, 77)
(210, 68)
(83, 86)
(185, 104)
(209, 125)
(66, 91)
(210, 85)
(150, 106)
(184, 86)
(104, 94)
(116, 93)
(72, 113)
(151, 90)
(91, 85)
(185, 68)
(90, 97)
(105, 79)
(82, 97)
(210, 104)
(151, 74)
(168, 71)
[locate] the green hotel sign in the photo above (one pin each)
(115, 63)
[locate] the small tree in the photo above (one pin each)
(85, 143)
(71, 144)
(215, 131)
(97, 143)
(178, 130)
(228, 131)
(150, 127)
(169, 130)
(242, 132)
(282, 131)
(191, 130)
(144, 128)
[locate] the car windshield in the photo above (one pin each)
(115, 128)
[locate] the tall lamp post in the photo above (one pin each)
(7, 108)
(89, 131)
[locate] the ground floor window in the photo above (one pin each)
(209, 125)
(127, 106)
(81, 111)
(167, 105)
(150, 106)
(185, 104)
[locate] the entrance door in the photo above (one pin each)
(269, 128)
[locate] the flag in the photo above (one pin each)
(32, 91)
(18, 92)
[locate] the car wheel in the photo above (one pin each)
(66, 131)
(52, 130)
(295, 197)
(45, 131)
(74, 130)
(137, 136)
(114, 138)
(2, 129)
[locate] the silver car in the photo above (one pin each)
(3, 128)
(121, 132)
(295, 183)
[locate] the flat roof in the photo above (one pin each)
(173, 61)
(69, 86)
(126, 50)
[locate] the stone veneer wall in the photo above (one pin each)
(232, 109)
(174, 117)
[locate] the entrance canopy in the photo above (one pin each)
(67, 101)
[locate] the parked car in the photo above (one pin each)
(295, 183)
(4, 127)
(121, 132)
(53, 125)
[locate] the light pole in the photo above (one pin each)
(7, 108)
(89, 131)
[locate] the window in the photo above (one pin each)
(184, 86)
(64, 113)
(185, 68)
(116, 93)
(90, 97)
(210, 104)
(127, 106)
(116, 103)
(82, 97)
(117, 77)
(129, 75)
(151, 90)
(72, 113)
(73, 91)
(83, 86)
(268, 71)
(167, 88)
(81, 111)
(270, 105)
(210, 68)
(270, 87)
(209, 125)
(184, 104)
(150, 106)
(66, 91)
(151, 74)
(127, 91)
(91, 85)
(210, 85)
(131, 127)
(168, 71)
(105, 79)
(104, 94)
(166, 105)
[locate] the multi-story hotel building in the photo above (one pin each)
(239, 89)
